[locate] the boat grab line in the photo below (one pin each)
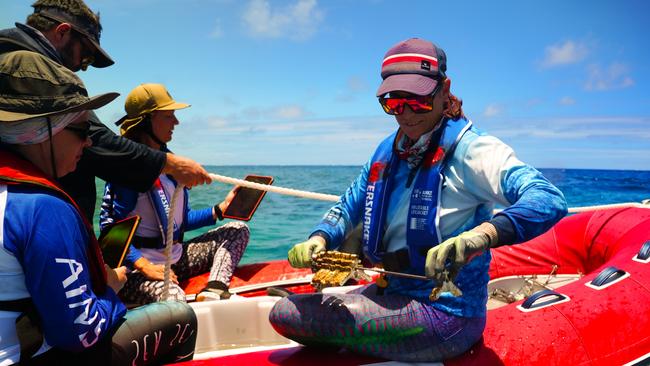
(261, 286)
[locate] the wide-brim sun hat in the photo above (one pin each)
(32, 86)
(414, 65)
(91, 103)
(145, 99)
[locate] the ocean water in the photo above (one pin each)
(282, 221)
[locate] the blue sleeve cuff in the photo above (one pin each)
(132, 256)
(537, 204)
(199, 218)
(323, 235)
(110, 297)
(505, 230)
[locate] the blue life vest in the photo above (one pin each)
(423, 215)
(161, 204)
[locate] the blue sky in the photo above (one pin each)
(565, 83)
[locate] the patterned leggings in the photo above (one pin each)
(154, 334)
(390, 326)
(218, 251)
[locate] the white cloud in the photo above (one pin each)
(567, 101)
(350, 140)
(354, 86)
(569, 52)
(356, 83)
(217, 122)
(493, 110)
(290, 112)
(251, 113)
(617, 152)
(614, 120)
(341, 138)
(298, 21)
(634, 128)
(608, 132)
(290, 122)
(272, 113)
(217, 31)
(533, 102)
(615, 76)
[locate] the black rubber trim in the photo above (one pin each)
(607, 275)
(19, 305)
(644, 252)
(530, 302)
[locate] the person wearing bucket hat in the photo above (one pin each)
(68, 32)
(150, 120)
(424, 204)
(58, 302)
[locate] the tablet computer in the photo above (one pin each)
(243, 205)
(114, 240)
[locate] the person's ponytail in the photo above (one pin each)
(454, 108)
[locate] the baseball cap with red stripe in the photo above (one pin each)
(414, 65)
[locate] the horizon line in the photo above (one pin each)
(354, 165)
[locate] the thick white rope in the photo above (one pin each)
(644, 204)
(269, 188)
(333, 198)
(169, 242)
(315, 196)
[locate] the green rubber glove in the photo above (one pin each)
(458, 251)
(300, 255)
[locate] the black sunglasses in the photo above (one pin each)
(82, 130)
(88, 50)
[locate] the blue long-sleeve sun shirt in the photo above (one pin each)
(120, 202)
(43, 256)
(482, 173)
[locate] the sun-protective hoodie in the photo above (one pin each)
(477, 171)
(49, 255)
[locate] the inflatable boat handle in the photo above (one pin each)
(644, 252)
(607, 275)
(530, 302)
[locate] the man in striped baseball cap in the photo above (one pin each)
(415, 66)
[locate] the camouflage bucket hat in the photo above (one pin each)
(32, 85)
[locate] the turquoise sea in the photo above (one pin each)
(282, 221)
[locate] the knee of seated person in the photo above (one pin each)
(180, 309)
(176, 311)
(238, 225)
